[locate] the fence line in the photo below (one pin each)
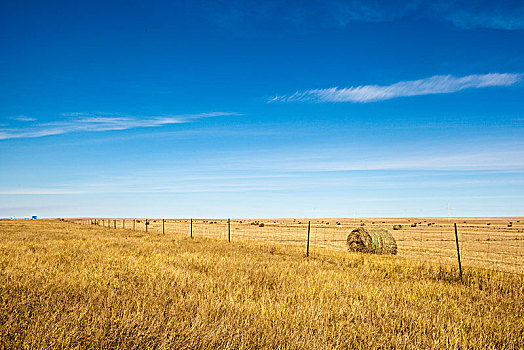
(494, 247)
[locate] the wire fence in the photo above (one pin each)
(492, 243)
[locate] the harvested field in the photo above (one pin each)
(82, 286)
(493, 243)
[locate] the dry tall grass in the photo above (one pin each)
(73, 286)
(495, 243)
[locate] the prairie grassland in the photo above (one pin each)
(81, 286)
(495, 243)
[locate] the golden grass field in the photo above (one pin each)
(486, 242)
(65, 285)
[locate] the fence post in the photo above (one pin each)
(134, 220)
(163, 231)
(308, 231)
(191, 228)
(123, 223)
(114, 222)
(146, 223)
(229, 230)
(458, 251)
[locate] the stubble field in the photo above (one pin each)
(64, 285)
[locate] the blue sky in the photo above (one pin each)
(261, 109)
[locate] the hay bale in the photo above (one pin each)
(397, 227)
(376, 241)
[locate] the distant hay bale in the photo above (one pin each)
(397, 227)
(376, 241)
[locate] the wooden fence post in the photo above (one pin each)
(134, 220)
(146, 223)
(191, 228)
(123, 223)
(458, 251)
(163, 230)
(308, 231)
(114, 222)
(229, 230)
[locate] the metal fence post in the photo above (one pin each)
(191, 228)
(458, 251)
(308, 231)
(229, 230)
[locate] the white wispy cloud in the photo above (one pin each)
(463, 14)
(439, 84)
(23, 118)
(505, 15)
(501, 15)
(472, 21)
(89, 122)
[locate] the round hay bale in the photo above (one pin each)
(375, 241)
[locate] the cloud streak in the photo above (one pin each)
(438, 84)
(23, 118)
(499, 15)
(88, 122)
